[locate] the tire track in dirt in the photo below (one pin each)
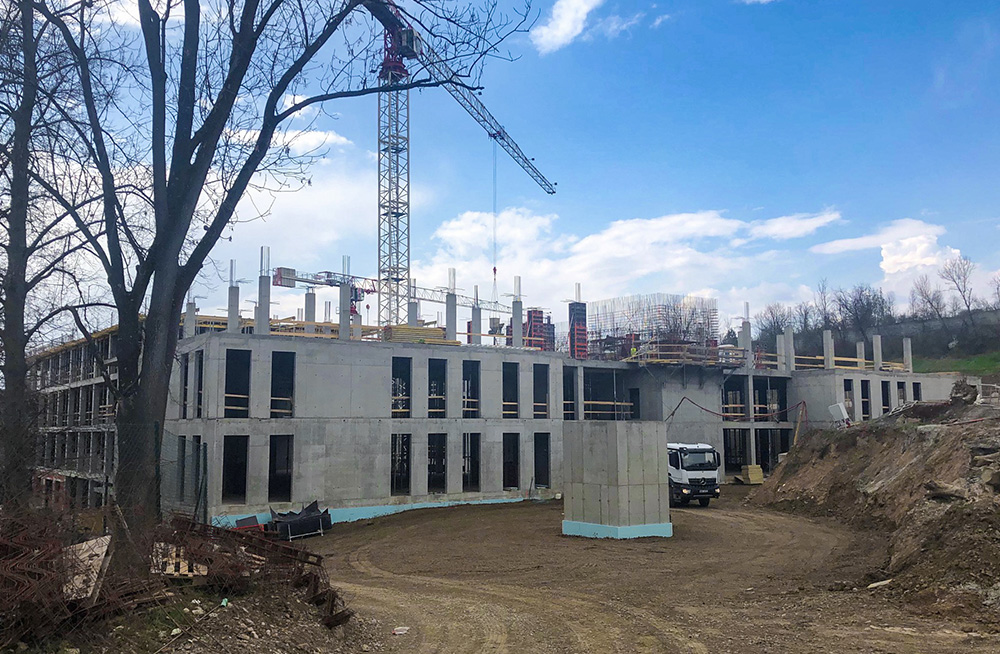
(602, 636)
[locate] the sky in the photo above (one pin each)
(742, 150)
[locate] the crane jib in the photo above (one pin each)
(387, 14)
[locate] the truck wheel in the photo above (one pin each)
(704, 500)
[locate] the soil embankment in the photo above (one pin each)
(916, 477)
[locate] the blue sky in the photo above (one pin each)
(742, 150)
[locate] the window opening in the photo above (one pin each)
(542, 461)
(279, 471)
(437, 376)
(282, 384)
(437, 463)
(234, 469)
(470, 462)
(237, 384)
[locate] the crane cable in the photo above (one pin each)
(495, 297)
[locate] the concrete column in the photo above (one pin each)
(578, 394)
(190, 320)
(828, 350)
(779, 346)
(262, 316)
(450, 316)
(233, 312)
(861, 354)
(412, 313)
(517, 323)
(907, 354)
(555, 396)
(525, 390)
(453, 470)
(789, 337)
(491, 459)
(356, 327)
(344, 327)
(418, 462)
(477, 326)
(327, 316)
(453, 391)
(745, 342)
(526, 466)
(419, 383)
(310, 313)
(877, 351)
(260, 385)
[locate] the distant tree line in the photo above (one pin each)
(947, 313)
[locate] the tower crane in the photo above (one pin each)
(402, 42)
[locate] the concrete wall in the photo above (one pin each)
(616, 479)
(343, 422)
(821, 388)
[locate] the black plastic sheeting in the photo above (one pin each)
(307, 522)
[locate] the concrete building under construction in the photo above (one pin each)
(370, 421)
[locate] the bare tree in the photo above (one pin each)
(864, 309)
(180, 117)
(805, 316)
(772, 321)
(957, 273)
(39, 246)
(927, 301)
(825, 305)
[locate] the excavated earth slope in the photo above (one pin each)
(944, 547)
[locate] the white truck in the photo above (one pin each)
(694, 473)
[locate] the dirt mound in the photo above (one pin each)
(914, 476)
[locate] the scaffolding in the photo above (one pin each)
(619, 327)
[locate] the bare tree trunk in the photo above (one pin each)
(143, 407)
(16, 415)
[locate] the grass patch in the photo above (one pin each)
(979, 365)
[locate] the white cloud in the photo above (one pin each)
(894, 231)
(289, 100)
(659, 20)
(756, 2)
(299, 141)
(612, 26)
(566, 23)
(675, 253)
(793, 226)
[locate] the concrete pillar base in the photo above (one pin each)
(592, 530)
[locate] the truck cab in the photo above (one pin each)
(694, 473)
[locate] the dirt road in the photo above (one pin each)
(501, 578)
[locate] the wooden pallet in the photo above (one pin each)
(172, 561)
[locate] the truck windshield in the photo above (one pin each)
(699, 460)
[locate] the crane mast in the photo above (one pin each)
(393, 186)
(401, 43)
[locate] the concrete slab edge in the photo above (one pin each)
(592, 530)
(355, 513)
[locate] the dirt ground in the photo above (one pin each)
(501, 578)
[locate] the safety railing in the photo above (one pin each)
(765, 360)
(470, 407)
(597, 410)
(687, 354)
(807, 362)
(281, 407)
(436, 406)
(569, 410)
(510, 410)
(236, 406)
(541, 410)
(734, 412)
(400, 406)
